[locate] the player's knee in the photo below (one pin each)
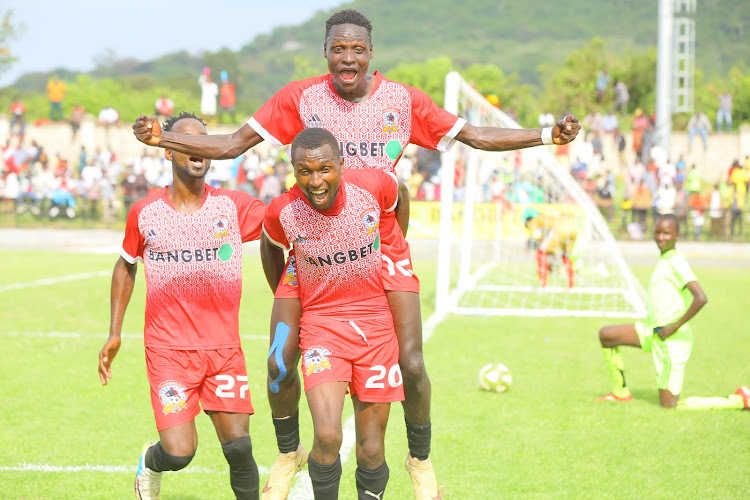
(412, 369)
(238, 451)
(370, 451)
(164, 461)
(274, 370)
(287, 367)
(605, 337)
(328, 439)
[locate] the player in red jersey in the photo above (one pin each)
(348, 341)
(373, 120)
(189, 237)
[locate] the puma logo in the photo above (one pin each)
(368, 492)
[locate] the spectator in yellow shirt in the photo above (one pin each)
(56, 92)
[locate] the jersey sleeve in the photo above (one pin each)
(272, 225)
(432, 127)
(681, 271)
(250, 215)
(133, 243)
(278, 120)
(383, 185)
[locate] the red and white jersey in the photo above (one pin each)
(193, 266)
(372, 133)
(337, 251)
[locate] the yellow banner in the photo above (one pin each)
(491, 220)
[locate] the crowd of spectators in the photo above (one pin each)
(653, 185)
(100, 185)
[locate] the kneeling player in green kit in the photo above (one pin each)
(674, 297)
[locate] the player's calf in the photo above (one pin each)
(371, 482)
(325, 478)
(153, 463)
(243, 471)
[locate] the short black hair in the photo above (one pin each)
(349, 16)
(312, 138)
(168, 124)
(671, 217)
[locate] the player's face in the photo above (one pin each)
(318, 174)
(348, 51)
(182, 164)
(665, 234)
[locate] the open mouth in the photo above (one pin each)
(197, 161)
(319, 195)
(348, 74)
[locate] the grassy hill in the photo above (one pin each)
(516, 36)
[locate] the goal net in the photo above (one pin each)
(517, 230)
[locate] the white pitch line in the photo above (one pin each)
(76, 335)
(302, 489)
(24, 467)
(54, 281)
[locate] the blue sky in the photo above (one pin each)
(71, 33)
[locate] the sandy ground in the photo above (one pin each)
(109, 242)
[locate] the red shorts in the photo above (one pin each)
(180, 380)
(338, 351)
(396, 273)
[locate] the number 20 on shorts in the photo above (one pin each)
(377, 381)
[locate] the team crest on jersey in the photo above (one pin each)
(390, 120)
(316, 360)
(370, 220)
(221, 228)
(173, 397)
(290, 275)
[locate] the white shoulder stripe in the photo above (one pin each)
(276, 243)
(395, 179)
(128, 258)
(447, 142)
(265, 134)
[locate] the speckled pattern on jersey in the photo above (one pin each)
(337, 257)
(193, 268)
(372, 133)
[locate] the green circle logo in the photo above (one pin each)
(225, 252)
(393, 149)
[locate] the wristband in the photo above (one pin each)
(547, 135)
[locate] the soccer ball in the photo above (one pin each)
(495, 377)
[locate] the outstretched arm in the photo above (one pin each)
(215, 147)
(123, 282)
(699, 300)
(505, 139)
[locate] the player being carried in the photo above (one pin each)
(189, 237)
(674, 297)
(332, 223)
(373, 120)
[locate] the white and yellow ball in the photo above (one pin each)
(495, 377)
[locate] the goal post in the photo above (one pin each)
(491, 262)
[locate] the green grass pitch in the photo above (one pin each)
(63, 436)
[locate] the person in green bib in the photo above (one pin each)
(674, 297)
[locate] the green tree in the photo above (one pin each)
(9, 31)
(429, 76)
